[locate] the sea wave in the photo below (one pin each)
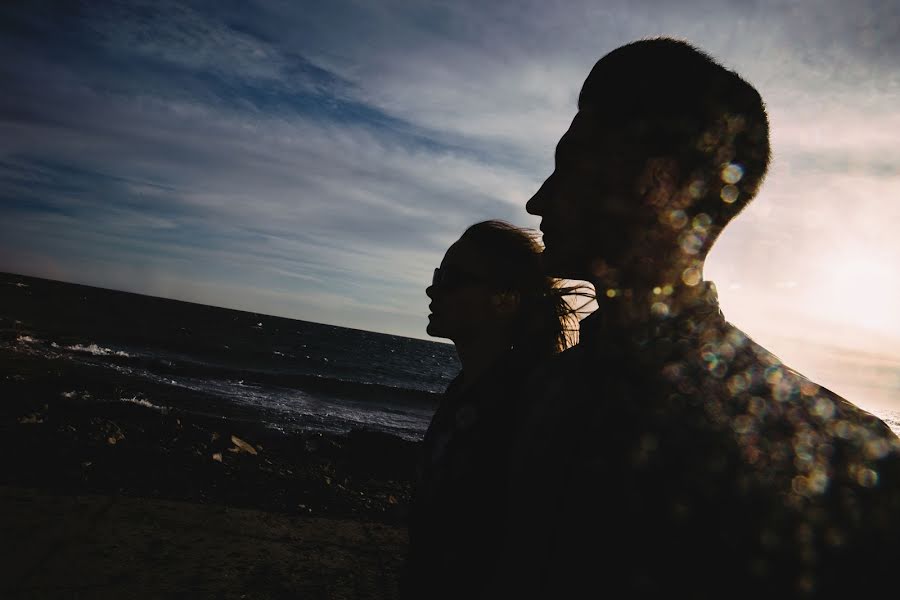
(172, 370)
(145, 403)
(97, 350)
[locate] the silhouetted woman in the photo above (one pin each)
(491, 298)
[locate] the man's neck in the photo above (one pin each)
(639, 299)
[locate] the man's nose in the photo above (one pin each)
(535, 205)
(429, 291)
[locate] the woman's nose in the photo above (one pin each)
(429, 291)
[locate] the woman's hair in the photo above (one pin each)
(545, 322)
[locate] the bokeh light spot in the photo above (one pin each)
(867, 478)
(729, 194)
(823, 408)
(659, 309)
(732, 173)
(697, 189)
(701, 222)
(690, 242)
(691, 276)
(877, 448)
(677, 219)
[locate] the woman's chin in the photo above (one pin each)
(433, 329)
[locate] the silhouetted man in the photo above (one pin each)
(667, 453)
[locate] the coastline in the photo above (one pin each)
(60, 452)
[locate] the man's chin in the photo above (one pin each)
(558, 264)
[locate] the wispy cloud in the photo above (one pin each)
(316, 160)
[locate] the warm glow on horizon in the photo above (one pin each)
(844, 295)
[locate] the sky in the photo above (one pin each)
(315, 159)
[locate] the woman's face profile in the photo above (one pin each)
(461, 295)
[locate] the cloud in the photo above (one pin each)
(332, 151)
(178, 35)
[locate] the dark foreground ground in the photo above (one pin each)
(109, 546)
(112, 499)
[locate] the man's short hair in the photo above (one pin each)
(676, 101)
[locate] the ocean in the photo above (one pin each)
(287, 374)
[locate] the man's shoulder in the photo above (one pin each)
(763, 374)
(727, 366)
(781, 423)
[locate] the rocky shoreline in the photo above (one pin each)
(54, 435)
(108, 494)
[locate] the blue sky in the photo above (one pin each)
(315, 159)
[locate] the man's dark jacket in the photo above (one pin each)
(675, 456)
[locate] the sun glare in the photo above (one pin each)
(857, 289)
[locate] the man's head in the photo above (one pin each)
(666, 148)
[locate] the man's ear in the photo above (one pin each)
(505, 304)
(657, 185)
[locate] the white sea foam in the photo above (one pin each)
(27, 339)
(71, 394)
(97, 350)
(890, 417)
(145, 403)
